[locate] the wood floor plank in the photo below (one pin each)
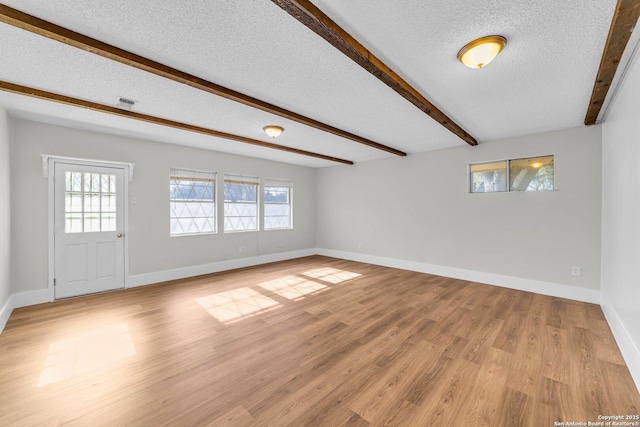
(524, 374)
(556, 364)
(556, 403)
(238, 416)
(510, 333)
(618, 381)
(311, 341)
(482, 340)
(448, 396)
(481, 406)
(590, 385)
(515, 410)
(606, 348)
(387, 391)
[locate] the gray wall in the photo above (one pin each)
(621, 212)
(418, 208)
(5, 209)
(150, 247)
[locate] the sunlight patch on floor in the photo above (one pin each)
(86, 352)
(293, 287)
(331, 275)
(237, 304)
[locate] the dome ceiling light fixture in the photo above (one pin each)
(273, 131)
(480, 52)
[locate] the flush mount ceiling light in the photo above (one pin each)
(480, 52)
(273, 131)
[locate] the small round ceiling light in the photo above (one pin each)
(480, 52)
(273, 131)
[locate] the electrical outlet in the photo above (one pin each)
(242, 249)
(576, 271)
(359, 244)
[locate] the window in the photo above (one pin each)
(192, 202)
(277, 204)
(240, 203)
(488, 177)
(532, 174)
(528, 174)
(90, 202)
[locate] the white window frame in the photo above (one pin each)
(277, 183)
(194, 175)
(470, 177)
(508, 175)
(243, 180)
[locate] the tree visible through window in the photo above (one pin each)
(531, 174)
(192, 202)
(528, 174)
(488, 177)
(277, 204)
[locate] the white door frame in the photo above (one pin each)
(48, 170)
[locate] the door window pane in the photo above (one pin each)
(90, 202)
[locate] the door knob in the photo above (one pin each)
(119, 235)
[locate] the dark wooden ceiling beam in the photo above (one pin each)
(624, 21)
(44, 28)
(312, 17)
(75, 102)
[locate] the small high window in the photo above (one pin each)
(528, 174)
(531, 174)
(488, 177)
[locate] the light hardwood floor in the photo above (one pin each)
(312, 341)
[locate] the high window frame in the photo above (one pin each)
(527, 174)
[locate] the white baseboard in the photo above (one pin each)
(215, 267)
(539, 287)
(5, 313)
(629, 350)
(21, 299)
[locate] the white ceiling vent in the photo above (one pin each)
(125, 103)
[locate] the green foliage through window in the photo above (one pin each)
(528, 174)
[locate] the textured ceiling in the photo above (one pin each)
(542, 80)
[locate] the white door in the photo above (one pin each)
(88, 229)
